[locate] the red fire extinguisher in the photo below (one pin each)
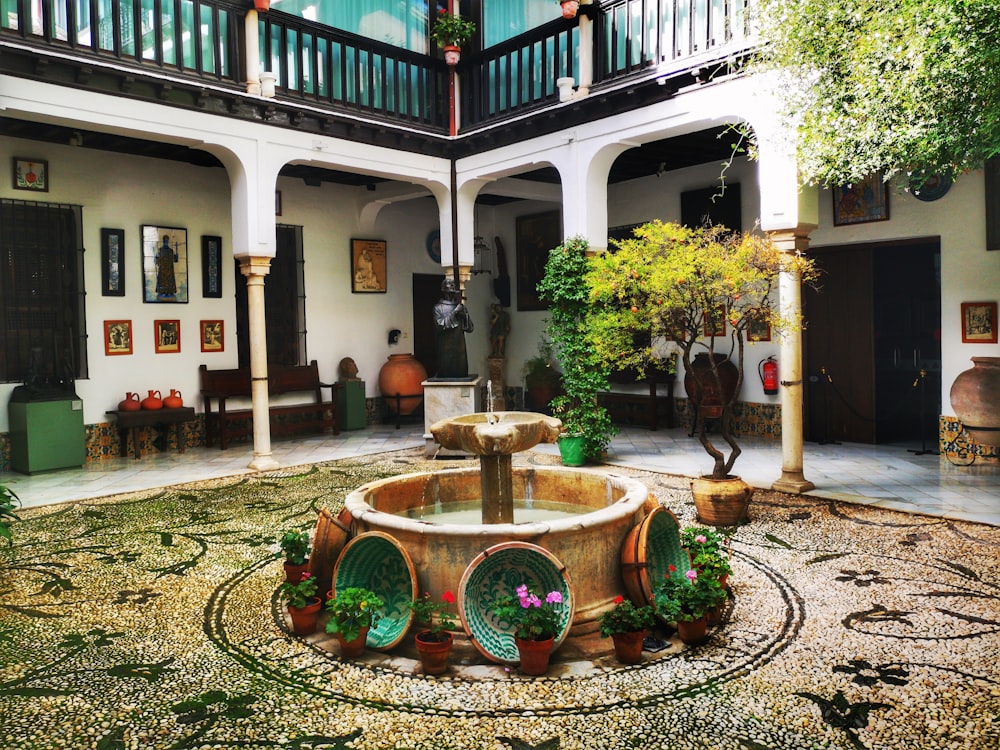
(768, 371)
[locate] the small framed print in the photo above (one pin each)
(113, 262)
(117, 337)
(168, 336)
(211, 266)
(31, 174)
(759, 330)
(861, 202)
(212, 339)
(164, 264)
(715, 322)
(368, 266)
(277, 203)
(979, 322)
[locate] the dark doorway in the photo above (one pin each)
(873, 328)
(426, 292)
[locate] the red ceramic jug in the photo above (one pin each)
(153, 401)
(131, 402)
(174, 400)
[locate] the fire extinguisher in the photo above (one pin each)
(768, 371)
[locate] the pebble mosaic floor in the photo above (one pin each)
(149, 621)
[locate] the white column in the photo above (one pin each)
(790, 359)
(255, 269)
(252, 52)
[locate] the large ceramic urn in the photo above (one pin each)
(975, 397)
(701, 386)
(402, 375)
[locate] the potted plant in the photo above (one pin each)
(302, 602)
(535, 622)
(702, 289)
(685, 599)
(708, 551)
(435, 641)
(541, 378)
(626, 624)
(584, 374)
(353, 612)
(295, 544)
(451, 31)
(569, 8)
(8, 501)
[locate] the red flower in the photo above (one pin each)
(619, 599)
(671, 568)
(448, 597)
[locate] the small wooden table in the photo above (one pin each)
(131, 421)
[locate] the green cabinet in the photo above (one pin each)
(46, 435)
(351, 412)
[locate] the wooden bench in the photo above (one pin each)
(217, 386)
(628, 407)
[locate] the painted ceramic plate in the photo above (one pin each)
(376, 561)
(934, 186)
(650, 548)
(497, 572)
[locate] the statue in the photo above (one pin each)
(499, 328)
(347, 369)
(451, 323)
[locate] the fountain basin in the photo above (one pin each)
(496, 433)
(588, 545)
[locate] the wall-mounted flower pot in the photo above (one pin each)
(262, 4)
(452, 54)
(569, 8)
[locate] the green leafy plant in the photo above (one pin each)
(451, 29)
(624, 617)
(295, 545)
(435, 615)
(687, 596)
(352, 609)
(670, 281)
(584, 373)
(299, 594)
(8, 501)
(531, 617)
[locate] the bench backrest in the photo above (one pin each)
(280, 379)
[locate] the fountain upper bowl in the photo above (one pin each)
(496, 433)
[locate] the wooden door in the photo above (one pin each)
(426, 292)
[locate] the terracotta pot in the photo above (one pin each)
(433, 654)
(293, 573)
(304, 619)
(174, 400)
(975, 397)
(153, 401)
(534, 655)
(570, 8)
(329, 539)
(628, 646)
(693, 632)
(714, 615)
(262, 4)
(403, 375)
(721, 502)
(703, 390)
(353, 649)
(452, 54)
(131, 403)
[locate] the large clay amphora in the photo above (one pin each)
(701, 386)
(975, 397)
(404, 376)
(153, 401)
(174, 400)
(131, 402)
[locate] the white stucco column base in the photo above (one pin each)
(790, 293)
(255, 269)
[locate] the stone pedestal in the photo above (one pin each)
(448, 398)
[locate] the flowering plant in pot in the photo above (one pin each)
(626, 624)
(295, 545)
(434, 643)
(535, 622)
(686, 599)
(303, 604)
(709, 552)
(352, 612)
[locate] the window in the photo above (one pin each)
(43, 333)
(284, 301)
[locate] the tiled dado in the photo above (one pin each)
(956, 445)
(749, 419)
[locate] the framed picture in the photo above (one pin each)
(168, 336)
(759, 330)
(211, 266)
(979, 322)
(368, 266)
(277, 203)
(164, 264)
(113, 262)
(715, 322)
(864, 201)
(536, 235)
(117, 337)
(31, 174)
(211, 336)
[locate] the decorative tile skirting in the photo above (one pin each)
(956, 445)
(749, 419)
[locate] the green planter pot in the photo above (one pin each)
(571, 450)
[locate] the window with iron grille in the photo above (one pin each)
(43, 332)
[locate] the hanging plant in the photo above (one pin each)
(451, 30)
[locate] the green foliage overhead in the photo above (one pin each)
(886, 85)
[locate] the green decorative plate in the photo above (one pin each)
(650, 548)
(377, 562)
(497, 572)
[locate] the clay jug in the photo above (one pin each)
(403, 375)
(975, 397)
(703, 390)
(131, 402)
(153, 401)
(174, 400)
